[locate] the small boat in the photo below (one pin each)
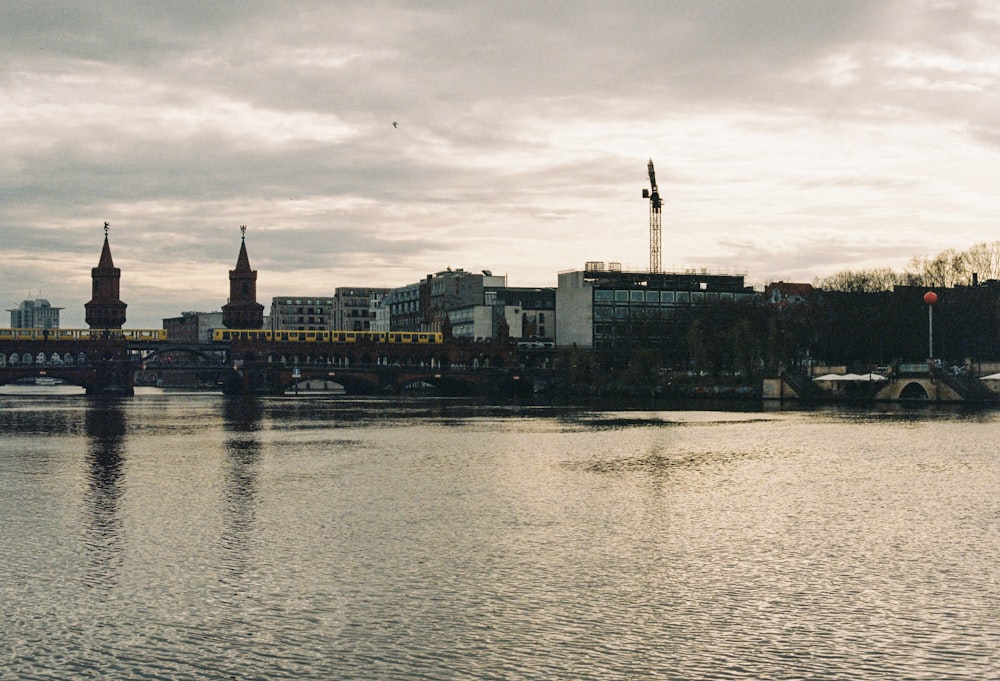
(47, 380)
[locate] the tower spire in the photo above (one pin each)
(105, 310)
(242, 311)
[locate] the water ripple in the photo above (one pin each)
(279, 540)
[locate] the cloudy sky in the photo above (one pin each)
(792, 139)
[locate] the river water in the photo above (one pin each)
(194, 536)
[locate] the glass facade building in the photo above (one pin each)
(604, 309)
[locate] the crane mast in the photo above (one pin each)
(655, 238)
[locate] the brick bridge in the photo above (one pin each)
(367, 367)
(110, 366)
(100, 366)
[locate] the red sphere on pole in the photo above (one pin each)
(930, 297)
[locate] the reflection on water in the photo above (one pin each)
(104, 544)
(242, 421)
(193, 536)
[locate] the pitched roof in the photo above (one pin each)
(106, 262)
(243, 261)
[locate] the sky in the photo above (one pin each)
(792, 139)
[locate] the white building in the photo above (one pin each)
(35, 314)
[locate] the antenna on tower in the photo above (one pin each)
(655, 239)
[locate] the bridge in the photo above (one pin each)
(101, 366)
(115, 366)
(456, 366)
(909, 383)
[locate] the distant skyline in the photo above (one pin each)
(372, 143)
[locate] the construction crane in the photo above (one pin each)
(653, 194)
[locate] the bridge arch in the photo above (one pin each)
(913, 390)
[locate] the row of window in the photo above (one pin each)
(302, 310)
(641, 296)
(303, 301)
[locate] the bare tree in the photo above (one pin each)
(946, 269)
(983, 259)
(861, 281)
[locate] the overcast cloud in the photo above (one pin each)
(791, 140)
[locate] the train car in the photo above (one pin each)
(151, 335)
(317, 336)
(141, 335)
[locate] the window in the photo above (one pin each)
(603, 296)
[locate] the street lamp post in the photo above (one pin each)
(930, 298)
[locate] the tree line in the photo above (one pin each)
(947, 269)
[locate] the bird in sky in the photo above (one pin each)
(395, 124)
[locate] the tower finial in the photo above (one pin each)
(243, 231)
(106, 227)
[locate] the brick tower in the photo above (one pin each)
(105, 310)
(242, 311)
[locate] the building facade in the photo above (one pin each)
(605, 308)
(437, 301)
(527, 313)
(530, 312)
(354, 307)
(35, 314)
(192, 327)
(402, 309)
(302, 313)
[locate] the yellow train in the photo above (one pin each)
(83, 334)
(316, 336)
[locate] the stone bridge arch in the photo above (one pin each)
(913, 390)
